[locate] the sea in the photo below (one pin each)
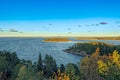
(29, 48)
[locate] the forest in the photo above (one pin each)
(92, 67)
(88, 48)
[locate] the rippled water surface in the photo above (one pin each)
(29, 48)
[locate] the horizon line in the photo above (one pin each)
(54, 36)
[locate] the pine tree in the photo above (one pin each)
(39, 64)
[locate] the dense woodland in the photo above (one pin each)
(92, 67)
(88, 48)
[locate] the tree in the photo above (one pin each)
(88, 67)
(50, 66)
(28, 73)
(110, 69)
(39, 64)
(62, 68)
(3, 64)
(22, 75)
(72, 70)
(40, 75)
(8, 62)
(15, 71)
(3, 68)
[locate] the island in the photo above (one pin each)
(56, 39)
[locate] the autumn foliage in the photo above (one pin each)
(110, 69)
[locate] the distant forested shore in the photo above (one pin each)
(64, 38)
(98, 38)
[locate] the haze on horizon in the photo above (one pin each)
(43, 18)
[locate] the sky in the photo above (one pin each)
(59, 18)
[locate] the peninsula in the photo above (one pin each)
(84, 49)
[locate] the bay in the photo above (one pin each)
(29, 48)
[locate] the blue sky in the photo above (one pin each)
(59, 17)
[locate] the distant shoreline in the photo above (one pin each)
(77, 38)
(97, 38)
